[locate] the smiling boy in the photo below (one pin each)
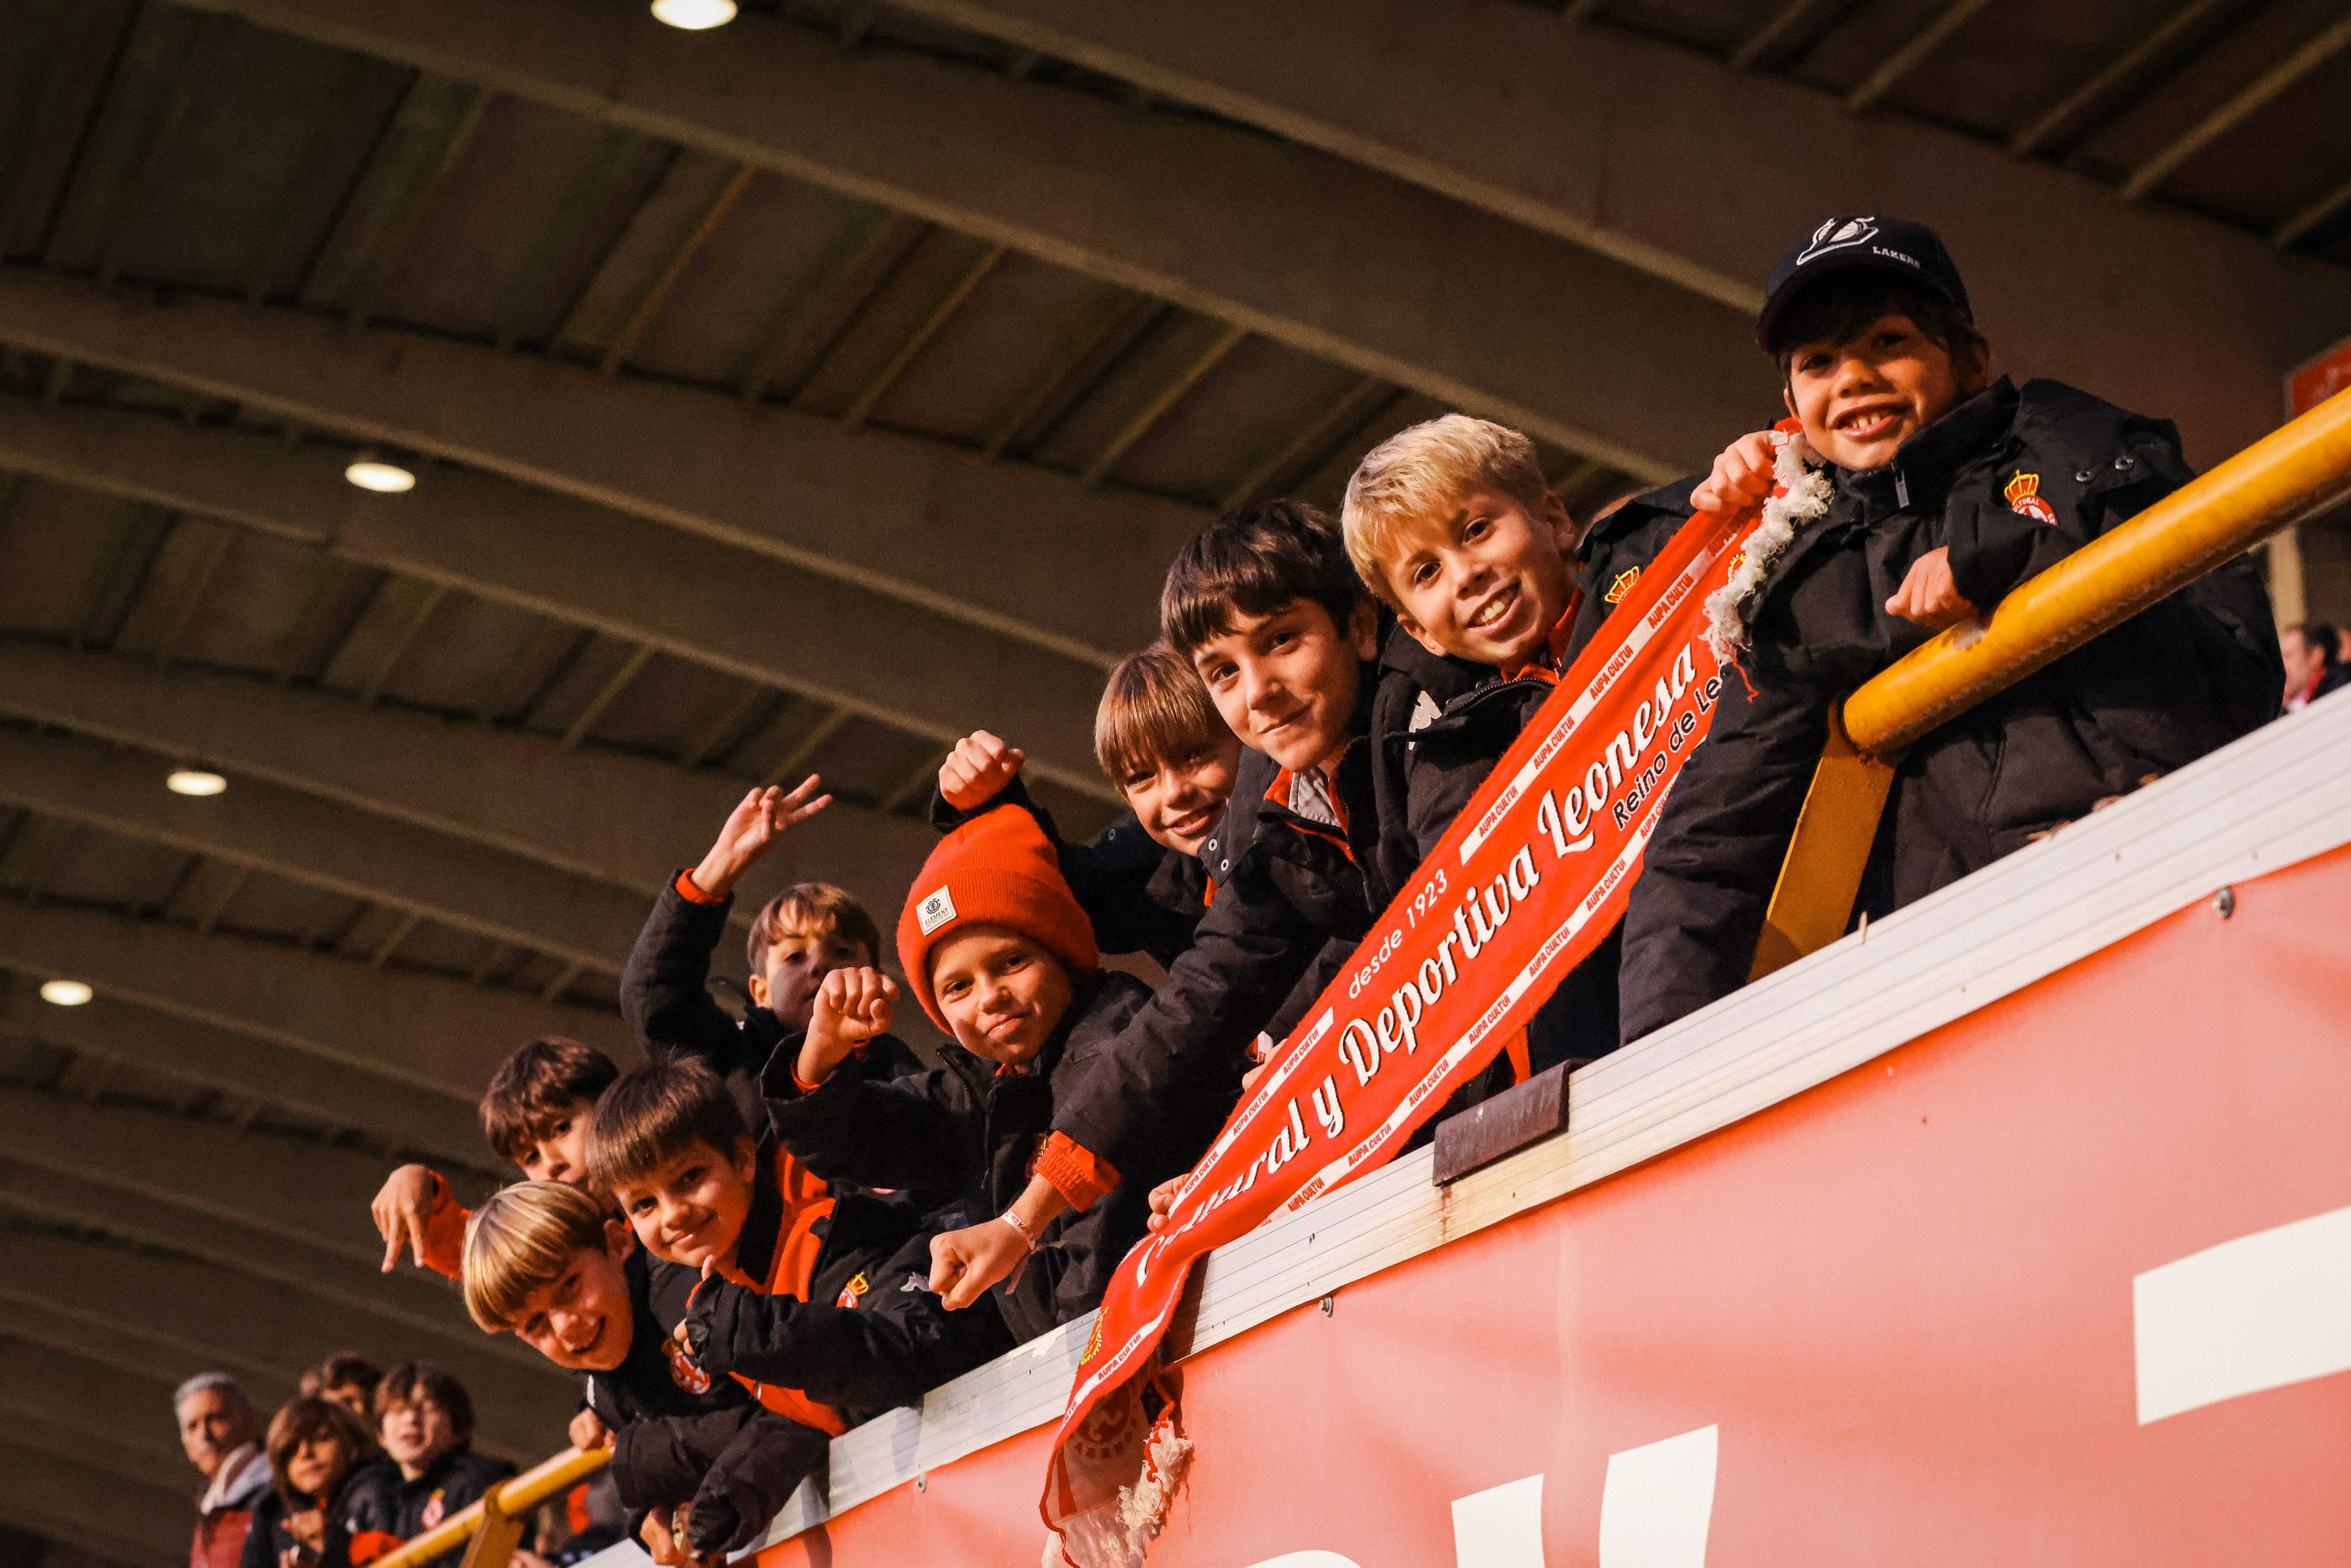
(551, 1265)
(1001, 957)
(1947, 489)
(1160, 741)
(800, 1295)
(1451, 524)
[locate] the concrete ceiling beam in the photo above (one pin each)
(1310, 250)
(717, 605)
(405, 1116)
(304, 838)
(911, 519)
(424, 1029)
(1699, 174)
(627, 821)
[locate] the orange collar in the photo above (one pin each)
(1552, 663)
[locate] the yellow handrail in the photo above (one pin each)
(504, 1504)
(2273, 484)
(2285, 476)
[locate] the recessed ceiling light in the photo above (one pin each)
(694, 16)
(384, 478)
(194, 781)
(65, 993)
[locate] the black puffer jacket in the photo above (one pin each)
(666, 997)
(1618, 549)
(966, 1128)
(870, 1336)
(2187, 675)
(379, 1499)
(681, 1435)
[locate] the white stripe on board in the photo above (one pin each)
(2261, 1312)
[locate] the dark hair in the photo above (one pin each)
(1256, 559)
(1153, 711)
(298, 1421)
(348, 1369)
(1840, 307)
(652, 1113)
(2322, 636)
(414, 1380)
(814, 909)
(535, 1086)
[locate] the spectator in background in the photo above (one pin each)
(222, 1436)
(2313, 665)
(424, 1422)
(316, 1447)
(349, 1379)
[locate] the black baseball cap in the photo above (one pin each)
(1841, 245)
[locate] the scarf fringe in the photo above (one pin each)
(1800, 493)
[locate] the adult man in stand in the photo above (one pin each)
(222, 1434)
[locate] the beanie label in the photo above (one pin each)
(934, 911)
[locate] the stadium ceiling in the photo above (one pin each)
(797, 396)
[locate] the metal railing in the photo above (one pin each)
(2294, 471)
(491, 1529)
(2276, 482)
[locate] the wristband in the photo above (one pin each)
(1019, 1229)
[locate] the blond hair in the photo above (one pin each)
(521, 1241)
(1154, 710)
(1426, 470)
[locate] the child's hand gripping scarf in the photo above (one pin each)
(1800, 492)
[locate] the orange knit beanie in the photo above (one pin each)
(996, 869)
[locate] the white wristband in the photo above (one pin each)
(1020, 1229)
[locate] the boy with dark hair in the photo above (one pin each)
(1000, 956)
(425, 1424)
(1160, 741)
(349, 1379)
(534, 1113)
(1937, 490)
(802, 1291)
(1270, 613)
(695, 1458)
(801, 935)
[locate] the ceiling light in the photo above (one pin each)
(694, 15)
(384, 478)
(65, 993)
(194, 781)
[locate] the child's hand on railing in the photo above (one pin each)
(588, 1431)
(977, 769)
(751, 829)
(1929, 596)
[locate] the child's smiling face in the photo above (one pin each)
(1286, 682)
(1003, 993)
(584, 1321)
(1180, 802)
(1485, 583)
(1860, 400)
(690, 1209)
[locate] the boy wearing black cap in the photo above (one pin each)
(1921, 491)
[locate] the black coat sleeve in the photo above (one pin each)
(1706, 881)
(751, 1479)
(892, 1347)
(1188, 1043)
(905, 1132)
(664, 990)
(1109, 878)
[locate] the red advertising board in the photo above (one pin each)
(2321, 378)
(2007, 1294)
